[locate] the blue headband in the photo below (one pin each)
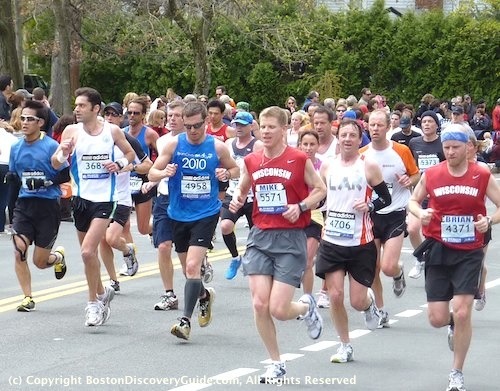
(454, 136)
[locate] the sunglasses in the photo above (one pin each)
(194, 126)
(134, 113)
(29, 118)
(111, 113)
(341, 111)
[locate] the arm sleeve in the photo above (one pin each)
(384, 197)
(136, 146)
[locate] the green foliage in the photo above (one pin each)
(265, 83)
(256, 46)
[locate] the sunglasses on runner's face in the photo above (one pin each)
(134, 113)
(111, 113)
(195, 126)
(29, 118)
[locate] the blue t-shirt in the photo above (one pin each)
(194, 188)
(32, 160)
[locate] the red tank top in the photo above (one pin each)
(220, 134)
(456, 202)
(276, 183)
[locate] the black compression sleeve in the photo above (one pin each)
(384, 197)
(62, 176)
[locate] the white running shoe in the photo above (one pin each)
(343, 355)
(322, 299)
(167, 302)
(456, 381)
(416, 270)
(94, 315)
(312, 318)
(274, 373)
(383, 319)
(131, 260)
(372, 316)
(481, 302)
(399, 284)
(109, 294)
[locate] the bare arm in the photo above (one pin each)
(240, 193)
(162, 167)
(493, 193)
(226, 161)
(418, 195)
(68, 141)
(124, 146)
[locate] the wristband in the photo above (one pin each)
(490, 223)
(303, 207)
(121, 163)
(61, 157)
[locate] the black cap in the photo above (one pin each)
(115, 106)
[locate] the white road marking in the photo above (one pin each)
(284, 357)
(191, 387)
(319, 346)
(358, 333)
(408, 313)
(235, 373)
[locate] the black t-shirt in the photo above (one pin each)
(404, 139)
(426, 154)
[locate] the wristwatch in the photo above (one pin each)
(134, 167)
(490, 223)
(303, 207)
(119, 164)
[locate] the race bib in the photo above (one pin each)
(93, 166)
(271, 198)
(457, 229)
(340, 224)
(35, 174)
(195, 187)
(135, 184)
(426, 161)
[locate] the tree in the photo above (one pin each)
(9, 63)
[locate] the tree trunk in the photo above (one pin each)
(9, 63)
(202, 66)
(60, 74)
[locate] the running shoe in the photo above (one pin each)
(94, 313)
(451, 333)
(131, 260)
(205, 308)
(456, 381)
(115, 285)
(343, 355)
(322, 299)
(207, 271)
(105, 300)
(416, 270)
(26, 305)
(372, 315)
(399, 284)
(274, 373)
(60, 266)
(167, 302)
(181, 329)
(232, 270)
(480, 302)
(383, 319)
(123, 270)
(312, 318)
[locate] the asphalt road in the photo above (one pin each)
(50, 348)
